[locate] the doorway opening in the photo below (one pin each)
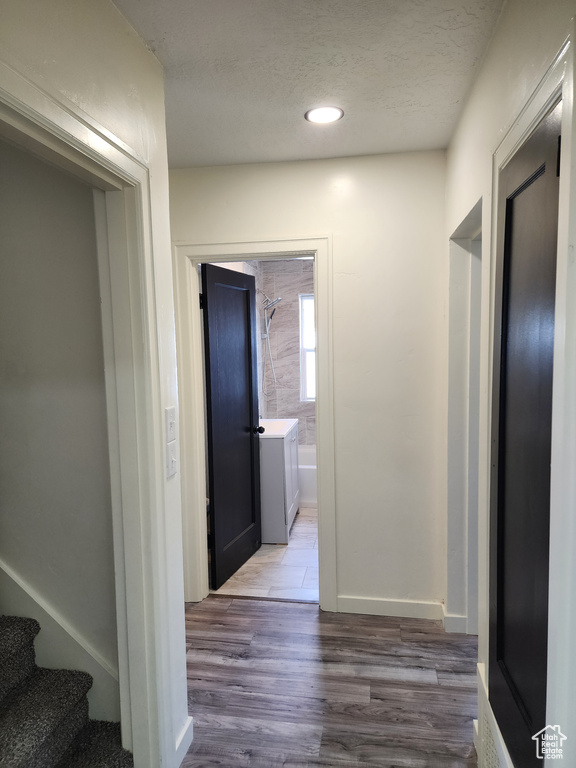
(187, 257)
(55, 504)
(285, 565)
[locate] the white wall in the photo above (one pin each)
(385, 215)
(86, 57)
(86, 53)
(529, 36)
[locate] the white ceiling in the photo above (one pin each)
(240, 74)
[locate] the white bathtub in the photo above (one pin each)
(307, 474)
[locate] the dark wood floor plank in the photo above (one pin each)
(343, 690)
(294, 666)
(457, 678)
(362, 650)
(454, 701)
(328, 628)
(214, 756)
(405, 750)
(379, 718)
(275, 745)
(305, 736)
(284, 684)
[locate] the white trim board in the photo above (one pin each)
(378, 606)
(106, 665)
(463, 407)
(488, 740)
(562, 599)
(150, 671)
(187, 256)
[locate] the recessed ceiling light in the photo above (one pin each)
(324, 114)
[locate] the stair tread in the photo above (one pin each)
(44, 710)
(15, 631)
(98, 745)
(31, 712)
(17, 655)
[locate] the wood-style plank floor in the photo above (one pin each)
(285, 684)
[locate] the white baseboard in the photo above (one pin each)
(376, 606)
(59, 646)
(454, 622)
(184, 741)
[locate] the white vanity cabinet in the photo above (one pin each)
(279, 483)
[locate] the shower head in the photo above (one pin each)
(270, 303)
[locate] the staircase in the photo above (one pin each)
(44, 712)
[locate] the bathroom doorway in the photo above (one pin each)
(276, 510)
(293, 275)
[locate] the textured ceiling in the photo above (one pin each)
(240, 74)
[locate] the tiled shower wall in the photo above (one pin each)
(287, 279)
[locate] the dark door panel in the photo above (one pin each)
(521, 438)
(232, 413)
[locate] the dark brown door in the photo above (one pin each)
(521, 438)
(229, 304)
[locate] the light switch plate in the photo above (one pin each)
(170, 424)
(171, 461)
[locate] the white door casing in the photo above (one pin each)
(187, 257)
(461, 607)
(556, 83)
(149, 662)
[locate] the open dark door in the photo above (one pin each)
(229, 304)
(521, 439)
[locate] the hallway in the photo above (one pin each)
(284, 684)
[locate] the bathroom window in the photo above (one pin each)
(307, 348)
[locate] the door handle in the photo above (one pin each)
(261, 430)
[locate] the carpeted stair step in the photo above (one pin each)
(98, 745)
(41, 718)
(17, 659)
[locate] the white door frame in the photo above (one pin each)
(557, 82)
(53, 131)
(187, 257)
(461, 607)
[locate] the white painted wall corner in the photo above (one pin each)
(454, 622)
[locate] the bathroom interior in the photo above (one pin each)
(286, 564)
